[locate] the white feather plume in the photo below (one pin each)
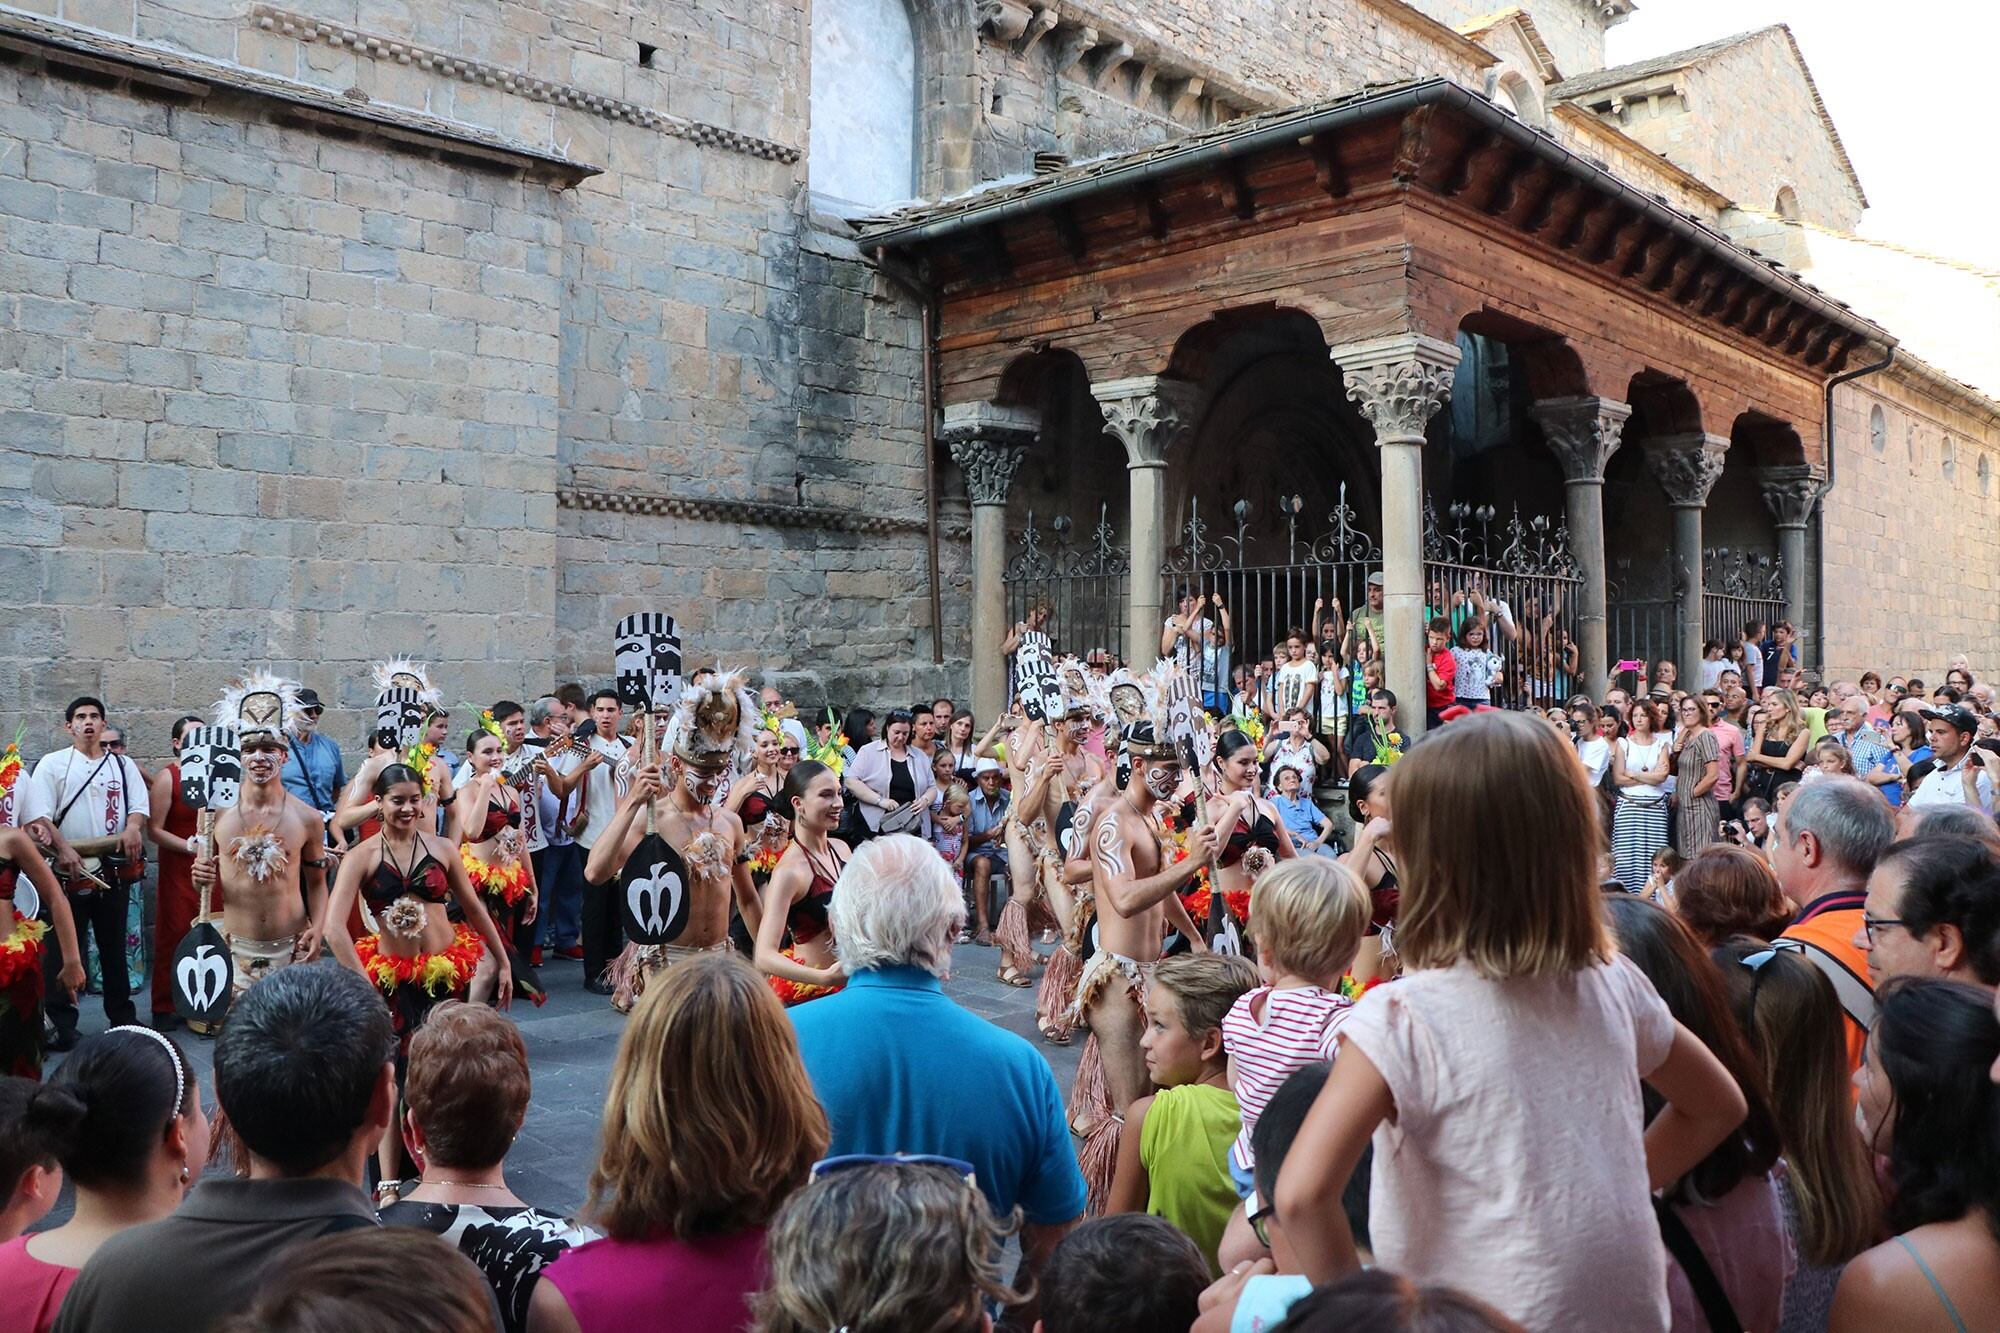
(387, 671)
(229, 708)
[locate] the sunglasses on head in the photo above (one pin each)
(829, 1166)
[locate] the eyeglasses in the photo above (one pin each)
(788, 749)
(114, 745)
(831, 1166)
(1871, 924)
(1260, 1223)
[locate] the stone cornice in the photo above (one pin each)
(761, 513)
(1416, 21)
(104, 56)
(518, 82)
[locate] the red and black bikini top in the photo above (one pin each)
(1260, 833)
(426, 880)
(807, 918)
(497, 818)
(756, 806)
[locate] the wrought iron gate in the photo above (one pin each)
(1737, 587)
(1082, 584)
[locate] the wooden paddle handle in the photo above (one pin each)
(208, 854)
(650, 757)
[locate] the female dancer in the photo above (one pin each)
(21, 984)
(406, 875)
(1254, 838)
(1374, 860)
(801, 889)
(753, 798)
(487, 814)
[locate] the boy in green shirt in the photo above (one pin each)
(1173, 1158)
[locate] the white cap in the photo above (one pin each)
(987, 764)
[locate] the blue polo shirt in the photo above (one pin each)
(313, 771)
(901, 1068)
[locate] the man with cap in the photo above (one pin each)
(715, 725)
(1961, 776)
(1366, 624)
(313, 771)
(985, 843)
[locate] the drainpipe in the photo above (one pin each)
(927, 307)
(1819, 512)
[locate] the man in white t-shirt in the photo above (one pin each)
(89, 805)
(603, 776)
(559, 862)
(1961, 776)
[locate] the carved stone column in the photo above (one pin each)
(1583, 433)
(1791, 494)
(1399, 383)
(1686, 467)
(1147, 414)
(988, 441)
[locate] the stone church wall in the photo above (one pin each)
(1911, 531)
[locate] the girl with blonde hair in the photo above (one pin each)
(1777, 750)
(1500, 1076)
(709, 1125)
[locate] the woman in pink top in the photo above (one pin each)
(123, 1117)
(710, 1123)
(1500, 1075)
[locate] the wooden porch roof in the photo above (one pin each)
(1410, 207)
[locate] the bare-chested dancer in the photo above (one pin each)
(269, 860)
(1045, 778)
(709, 839)
(1133, 879)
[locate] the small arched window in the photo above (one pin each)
(861, 150)
(1878, 429)
(1788, 204)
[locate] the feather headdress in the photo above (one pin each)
(400, 673)
(1083, 690)
(1156, 714)
(258, 703)
(716, 722)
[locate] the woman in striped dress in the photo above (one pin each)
(1640, 763)
(1697, 764)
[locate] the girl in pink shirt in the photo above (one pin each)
(1499, 1077)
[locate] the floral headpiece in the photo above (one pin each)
(489, 726)
(831, 754)
(10, 761)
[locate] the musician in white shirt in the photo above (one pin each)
(605, 778)
(84, 794)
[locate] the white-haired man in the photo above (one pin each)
(902, 1069)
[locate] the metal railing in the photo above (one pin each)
(1082, 584)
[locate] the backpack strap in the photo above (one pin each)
(1708, 1292)
(1856, 997)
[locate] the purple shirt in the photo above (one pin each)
(662, 1286)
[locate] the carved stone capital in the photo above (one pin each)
(1582, 433)
(1791, 493)
(1399, 382)
(1686, 466)
(1147, 414)
(1004, 20)
(988, 442)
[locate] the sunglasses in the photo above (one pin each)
(788, 749)
(832, 1166)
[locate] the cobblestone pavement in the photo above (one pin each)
(572, 1040)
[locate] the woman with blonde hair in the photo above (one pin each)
(886, 1245)
(1776, 754)
(709, 1124)
(1832, 1205)
(1492, 1174)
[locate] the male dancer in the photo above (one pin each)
(714, 726)
(269, 859)
(1044, 781)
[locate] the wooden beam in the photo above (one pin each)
(1624, 223)
(1545, 207)
(1231, 185)
(994, 241)
(1328, 170)
(1580, 220)
(1465, 167)
(1756, 313)
(1413, 144)
(1642, 254)
(1155, 210)
(1507, 191)
(1069, 230)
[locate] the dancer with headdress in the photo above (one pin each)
(269, 856)
(487, 813)
(405, 702)
(1050, 770)
(1134, 873)
(404, 877)
(714, 725)
(1254, 838)
(21, 983)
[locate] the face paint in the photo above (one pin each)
(1079, 730)
(1161, 780)
(700, 785)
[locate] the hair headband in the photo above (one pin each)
(173, 1056)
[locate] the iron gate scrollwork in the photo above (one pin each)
(1521, 574)
(1083, 584)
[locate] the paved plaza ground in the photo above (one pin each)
(572, 1040)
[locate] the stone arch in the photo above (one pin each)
(1787, 204)
(862, 140)
(1072, 466)
(1878, 429)
(1491, 450)
(1514, 93)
